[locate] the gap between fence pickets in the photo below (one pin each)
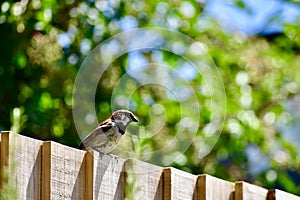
(46, 170)
(168, 183)
(89, 175)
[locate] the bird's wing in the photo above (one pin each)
(97, 135)
(105, 125)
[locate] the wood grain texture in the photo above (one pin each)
(63, 174)
(4, 149)
(247, 191)
(89, 176)
(23, 158)
(4, 153)
(179, 185)
(108, 177)
(145, 180)
(46, 171)
(28, 167)
(212, 188)
(281, 195)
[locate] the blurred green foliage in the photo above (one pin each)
(43, 43)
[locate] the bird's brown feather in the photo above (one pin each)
(101, 129)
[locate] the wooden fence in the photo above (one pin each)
(48, 170)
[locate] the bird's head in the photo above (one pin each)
(124, 117)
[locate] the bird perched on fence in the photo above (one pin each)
(108, 133)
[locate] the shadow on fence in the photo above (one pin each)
(48, 170)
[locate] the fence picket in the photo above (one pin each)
(179, 184)
(245, 191)
(63, 172)
(21, 157)
(108, 177)
(48, 170)
(144, 180)
(211, 188)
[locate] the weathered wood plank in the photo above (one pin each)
(22, 156)
(63, 172)
(212, 188)
(108, 176)
(48, 170)
(247, 191)
(179, 185)
(143, 180)
(28, 164)
(281, 195)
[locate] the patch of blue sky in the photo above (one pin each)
(257, 17)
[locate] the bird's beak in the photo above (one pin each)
(134, 118)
